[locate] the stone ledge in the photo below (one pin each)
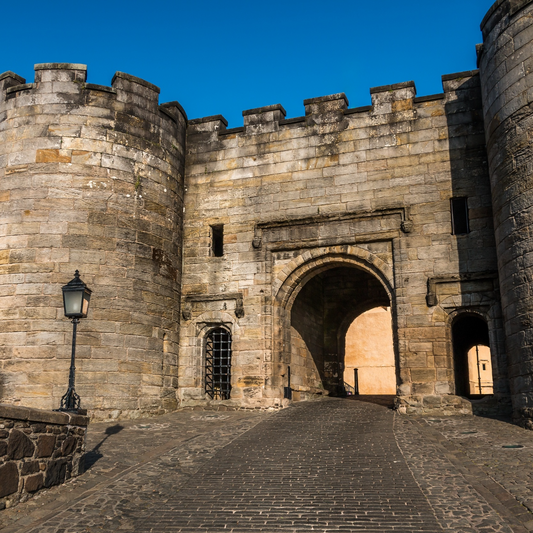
(264, 109)
(295, 120)
(456, 75)
(328, 98)
(212, 118)
(60, 66)
(232, 130)
(355, 110)
(17, 88)
(12, 75)
(95, 87)
(429, 98)
(38, 415)
(134, 79)
(393, 87)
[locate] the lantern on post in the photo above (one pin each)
(76, 297)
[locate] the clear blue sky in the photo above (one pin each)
(218, 57)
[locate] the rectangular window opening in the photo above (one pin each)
(459, 209)
(217, 240)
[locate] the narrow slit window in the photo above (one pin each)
(459, 209)
(217, 240)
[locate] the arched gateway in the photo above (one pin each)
(316, 303)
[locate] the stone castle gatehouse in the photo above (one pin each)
(226, 262)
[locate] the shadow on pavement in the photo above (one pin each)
(384, 400)
(92, 456)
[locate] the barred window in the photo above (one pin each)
(218, 365)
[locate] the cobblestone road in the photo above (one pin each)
(334, 465)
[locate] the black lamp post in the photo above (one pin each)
(76, 296)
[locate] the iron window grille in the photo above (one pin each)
(218, 365)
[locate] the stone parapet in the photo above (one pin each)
(38, 449)
(263, 119)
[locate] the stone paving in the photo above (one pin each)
(333, 465)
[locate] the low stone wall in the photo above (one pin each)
(38, 449)
(449, 405)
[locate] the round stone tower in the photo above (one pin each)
(506, 69)
(91, 179)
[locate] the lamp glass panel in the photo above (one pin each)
(73, 302)
(85, 304)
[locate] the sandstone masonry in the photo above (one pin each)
(266, 242)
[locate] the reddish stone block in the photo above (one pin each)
(45, 445)
(9, 479)
(19, 445)
(33, 483)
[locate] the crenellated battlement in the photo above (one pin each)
(499, 12)
(68, 82)
(393, 103)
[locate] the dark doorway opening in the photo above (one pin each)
(471, 355)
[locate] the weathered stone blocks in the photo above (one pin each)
(370, 185)
(504, 59)
(19, 445)
(92, 179)
(272, 223)
(9, 479)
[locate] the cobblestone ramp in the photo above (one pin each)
(326, 466)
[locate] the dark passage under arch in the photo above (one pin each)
(320, 317)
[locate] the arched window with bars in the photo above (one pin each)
(218, 364)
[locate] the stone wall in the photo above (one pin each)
(91, 179)
(370, 350)
(307, 339)
(367, 188)
(321, 217)
(506, 66)
(38, 449)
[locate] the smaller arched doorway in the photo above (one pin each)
(218, 364)
(472, 356)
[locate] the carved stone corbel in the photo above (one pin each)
(258, 238)
(186, 311)
(407, 226)
(239, 308)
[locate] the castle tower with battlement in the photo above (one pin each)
(506, 68)
(228, 264)
(91, 179)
